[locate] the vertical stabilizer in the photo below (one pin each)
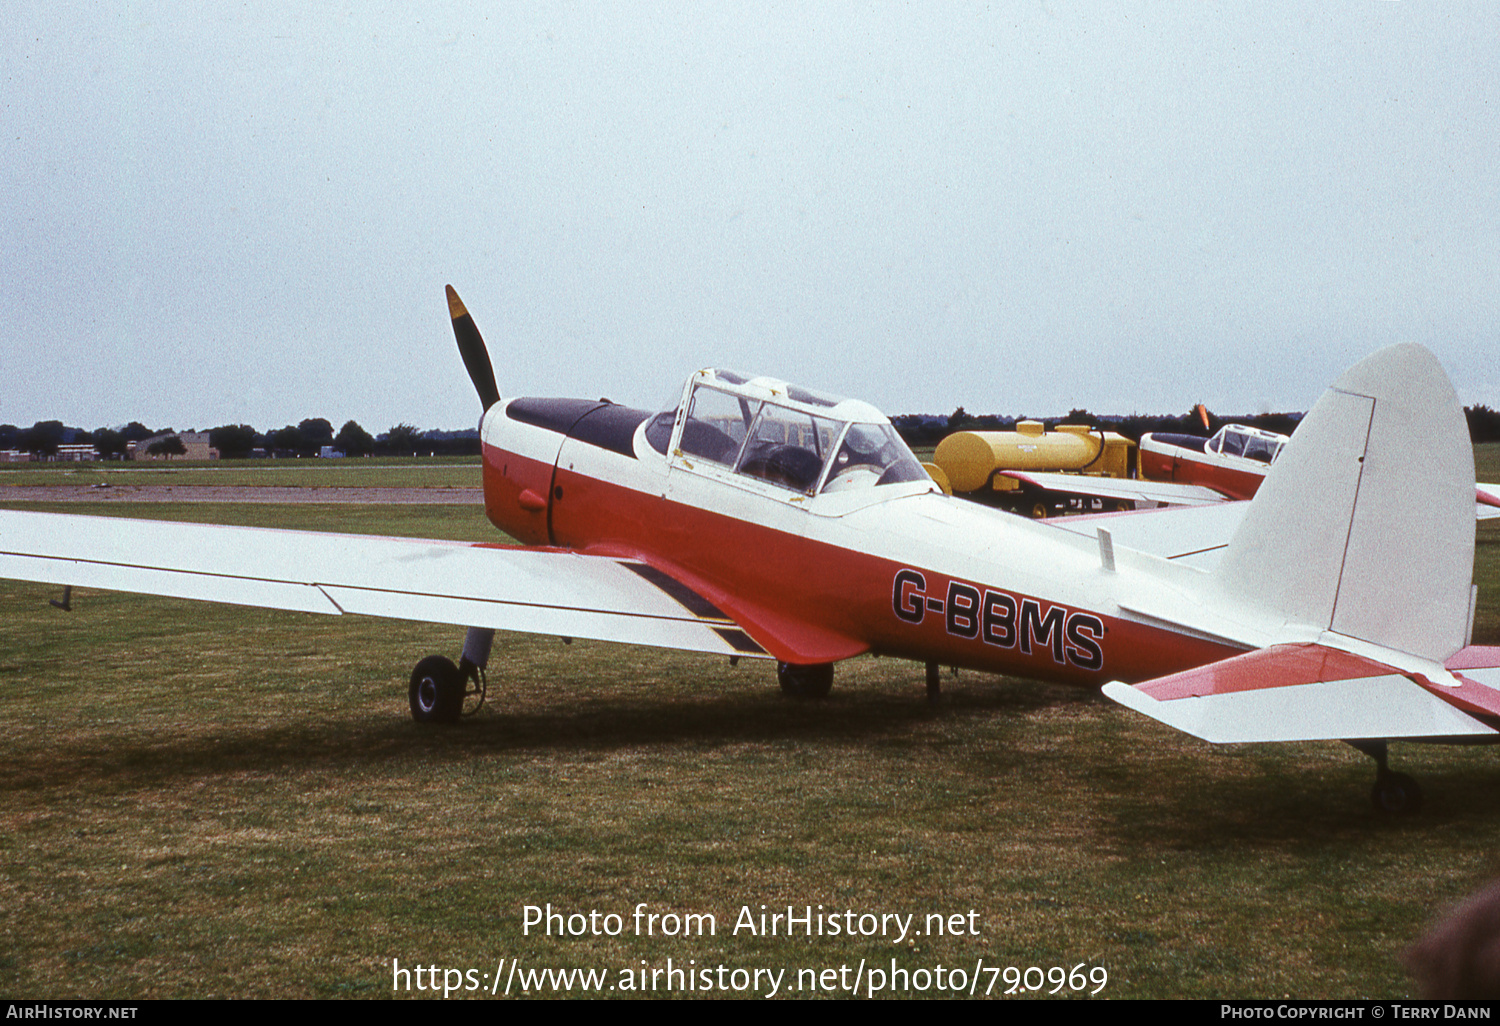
(1365, 525)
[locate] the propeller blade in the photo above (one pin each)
(471, 348)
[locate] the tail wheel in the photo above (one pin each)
(802, 681)
(437, 689)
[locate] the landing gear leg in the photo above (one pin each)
(439, 690)
(1394, 794)
(934, 684)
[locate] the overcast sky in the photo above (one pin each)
(246, 212)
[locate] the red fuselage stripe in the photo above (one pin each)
(1182, 466)
(810, 600)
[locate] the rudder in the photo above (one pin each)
(1365, 525)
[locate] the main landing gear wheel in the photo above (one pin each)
(437, 691)
(1396, 794)
(800, 681)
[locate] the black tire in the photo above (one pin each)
(1396, 794)
(801, 681)
(436, 693)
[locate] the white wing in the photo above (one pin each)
(539, 591)
(1125, 489)
(1165, 493)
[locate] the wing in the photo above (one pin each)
(1311, 692)
(540, 591)
(1165, 493)
(1124, 489)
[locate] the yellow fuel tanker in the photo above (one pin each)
(972, 460)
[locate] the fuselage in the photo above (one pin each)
(1233, 462)
(829, 570)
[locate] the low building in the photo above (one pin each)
(76, 454)
(195, 442)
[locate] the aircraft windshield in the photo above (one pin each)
(1249, 443)
(872, 454)
(797, 449)
(716, 425)
(788, 447)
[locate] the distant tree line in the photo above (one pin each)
(307, 438)
(926, 430)
(44, 437)
(1484, 423)
(241, 441)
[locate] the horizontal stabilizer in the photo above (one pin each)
(1487, 500)
(1310, 693)
(1193, 536)
(1478, 664)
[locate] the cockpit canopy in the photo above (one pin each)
(795, 438)
(1247, 442)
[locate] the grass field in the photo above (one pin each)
(439, 472)
(201, 800)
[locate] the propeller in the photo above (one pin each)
(471, 348)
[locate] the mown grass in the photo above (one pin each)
(1487, 462)
(388, 472)
(201, 800)
(460, 522)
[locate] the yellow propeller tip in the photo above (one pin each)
(455, 305)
